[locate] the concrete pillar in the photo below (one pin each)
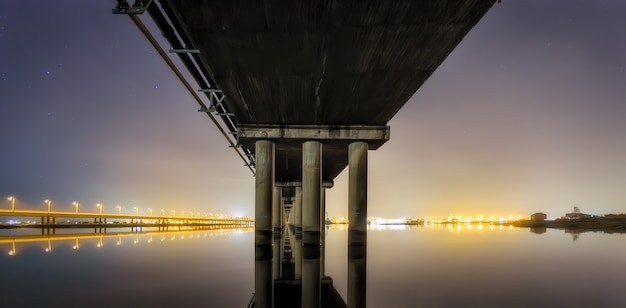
(357, 190)
(277, 206)
(357, 228)
(263, 283)
(311, 280)
(311, 186)
(323, 233)
(298, 210)
(264, 190)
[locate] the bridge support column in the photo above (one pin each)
(264, 190)
(357, 228)
(323, 233)
(298, 210)
(277, 209)
(311, 192)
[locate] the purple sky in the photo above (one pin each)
(527, 114)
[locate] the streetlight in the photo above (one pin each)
(100, 207)
(75, 205)
(136, 210)
(119, 209)
(48, 201)
(173, 213)
(12, 199)
(150, 210)
(162, 212)
(183, 212)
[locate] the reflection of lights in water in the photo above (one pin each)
(99, 237)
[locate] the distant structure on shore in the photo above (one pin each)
(576, 214)
(538, 216)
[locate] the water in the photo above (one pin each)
(452, 266)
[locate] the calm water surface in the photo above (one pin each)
(450, 266)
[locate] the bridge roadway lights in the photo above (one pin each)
(311, 192)
(264, 191)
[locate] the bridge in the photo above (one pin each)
(303, 89)
(57, 219)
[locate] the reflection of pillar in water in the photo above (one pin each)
(296, 246)
(276, 257)
(263, 282)
(311, 280)
(357, 228)
(357, 275)
(311, 186)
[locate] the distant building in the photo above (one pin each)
(576, 215)
(538, 217)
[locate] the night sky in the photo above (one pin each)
(527, 114)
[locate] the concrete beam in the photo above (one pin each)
(375, 136)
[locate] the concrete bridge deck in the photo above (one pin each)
(307, 88)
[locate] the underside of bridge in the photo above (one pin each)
(306, 88)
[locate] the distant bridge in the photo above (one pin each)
(53, 219)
